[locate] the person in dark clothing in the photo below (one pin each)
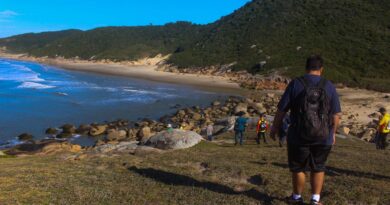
(239, 128)
(315, 116)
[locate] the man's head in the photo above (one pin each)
(382, 110)
(315, 65)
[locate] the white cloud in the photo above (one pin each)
(7, 14)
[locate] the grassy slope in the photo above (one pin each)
(206, 174)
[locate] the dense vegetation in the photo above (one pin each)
(264, 35)
(116, 43)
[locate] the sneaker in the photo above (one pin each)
(314, 202)
(291, 200)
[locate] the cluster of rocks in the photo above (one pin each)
(351, 126)
(273, 81)
(193, 120)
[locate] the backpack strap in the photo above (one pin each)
(322, 83)
(303, 81)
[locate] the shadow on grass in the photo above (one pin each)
(334, 171)
(181, 180)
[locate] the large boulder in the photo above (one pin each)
(25, 137)
(68, 129)
(344, 130)
(176, 139)
(368, 135)
(51, 131)
(98, 130)
(83, 129)
(116, 135)
(144, 134)
(241, 107)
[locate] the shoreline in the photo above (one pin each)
(138, 70)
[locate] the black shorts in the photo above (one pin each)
(302, 158)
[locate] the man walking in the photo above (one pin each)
(315, 115)
(262, 128)
(239, 128)
(210, 131)
(383, 129)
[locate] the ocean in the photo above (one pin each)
(34, 97)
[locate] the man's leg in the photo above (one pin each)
(265, 140)
(317, 182)
(258, 138)
(384, 141)
(236, 137)
(241, 137)
(298, 181)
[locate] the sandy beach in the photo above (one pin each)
(142, 69)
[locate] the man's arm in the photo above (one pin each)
(336, 123)
(278, 121)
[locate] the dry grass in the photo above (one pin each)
(209, 173)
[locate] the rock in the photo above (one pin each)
(83, 129)
(145, 150)
(116, 135)
(121, 147)
(241, 107)
(374, 115)
(216, 103)
(196, 116)
(181, 113)
(25, 137)
(144, 134)
(344, 130)
(64, 135)
(177, 139)
(60, 147)
(68, 129)
(270, 95)
(368, 135)
(98, 130)
(225, 109)
(51, 131)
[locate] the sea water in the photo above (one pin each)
(34, 97)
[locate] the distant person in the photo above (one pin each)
(209, 132)
(315, 116)
(262, 128)
(169, 128)
(239, 128)
(284, 130)
(383, 129)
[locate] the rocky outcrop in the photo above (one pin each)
(116, 135)
(144, 134)
(98, 130)
(175, 139)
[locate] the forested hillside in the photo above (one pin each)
(265, 35)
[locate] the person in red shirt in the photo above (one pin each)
(262, 128)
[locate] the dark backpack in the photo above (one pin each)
(313, 112)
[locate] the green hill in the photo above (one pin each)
(115, 43)
(262, 36)
(352, 35)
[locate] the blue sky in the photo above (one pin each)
(22, 16)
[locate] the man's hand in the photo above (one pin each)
(273, 134)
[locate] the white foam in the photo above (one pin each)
(19, 73)
(33, 85)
